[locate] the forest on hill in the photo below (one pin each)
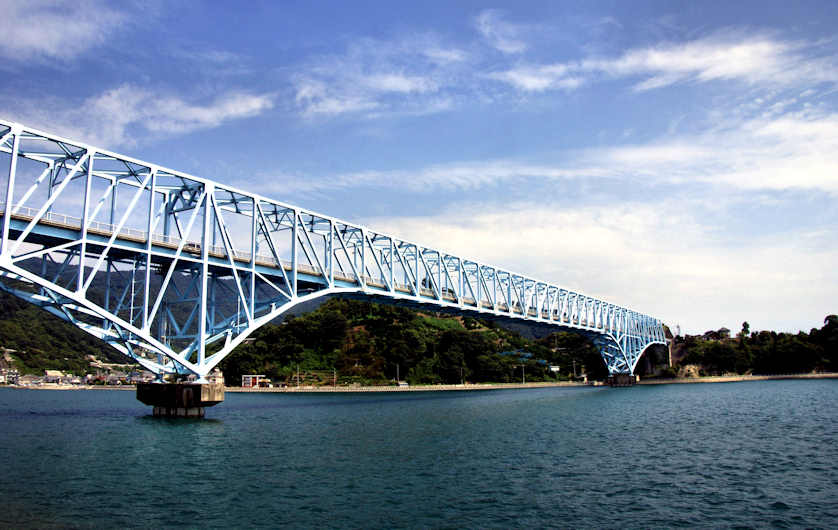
(42, 341)
(367, 343)
(760, 352)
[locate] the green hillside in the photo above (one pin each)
(368, 343)
(43, 341)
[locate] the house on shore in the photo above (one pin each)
(53, 376)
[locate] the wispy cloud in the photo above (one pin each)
(445, 56)
(58, 30)
(318, 98)
(726, 56)
(374, 78)
(499, 33)
(752, 59)
(394, 82)
(126, 114)
(459, 176)
(793, 150)
(539, 78)
(213, 62)
(380, 78)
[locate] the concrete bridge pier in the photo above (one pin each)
(622, 380)
(180, 400)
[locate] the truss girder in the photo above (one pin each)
(176, 270)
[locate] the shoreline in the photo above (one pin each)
(330, 389)
(53, 386)
(451, 388)
(416, 388)
(735, 378)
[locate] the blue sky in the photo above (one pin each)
(678, 158)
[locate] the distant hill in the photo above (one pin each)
(367, 343)
(43, 341)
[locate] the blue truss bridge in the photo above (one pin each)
(175, 271)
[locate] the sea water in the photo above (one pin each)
(703, 455)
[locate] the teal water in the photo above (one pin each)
(751, 454)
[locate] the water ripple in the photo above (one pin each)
(738, 455)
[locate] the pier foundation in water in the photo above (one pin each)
(622, 380)
(180, 400)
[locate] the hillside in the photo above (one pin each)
(42, 341)
(369, 343)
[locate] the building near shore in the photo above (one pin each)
(53, 376)
(254, 381)
(29, 380)
(143, 376)
(9, 376)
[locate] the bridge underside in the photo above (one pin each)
(175, 271)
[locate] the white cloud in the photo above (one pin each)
(470, 175)
(500, 34)
(445, 56)
(213, 62)
(753, 59)
(126, 114)
(658, 258)
(539, 78)
(389, 76)
(792, 151)
(796, 150)
(422, 107)
(55, 29)
(399, 83)
(376, 79)
(316, 98)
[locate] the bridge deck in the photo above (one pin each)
(139, 237)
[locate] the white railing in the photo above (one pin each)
(26, 213)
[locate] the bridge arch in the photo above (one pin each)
(176, 270)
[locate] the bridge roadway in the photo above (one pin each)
(99, 232)
(226, 291)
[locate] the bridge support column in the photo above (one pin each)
(180, 400)
(622, 380)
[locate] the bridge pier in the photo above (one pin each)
(180, 400)
(622, 380)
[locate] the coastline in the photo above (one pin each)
(53, 386)
(416, 388)
(451, 388)
(735, 378)
(330, 389)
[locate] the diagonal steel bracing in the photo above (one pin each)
(176, 270)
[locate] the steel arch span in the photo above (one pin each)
(175, 270)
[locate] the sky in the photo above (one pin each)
(678, 158)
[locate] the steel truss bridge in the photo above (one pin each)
(175, 271)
